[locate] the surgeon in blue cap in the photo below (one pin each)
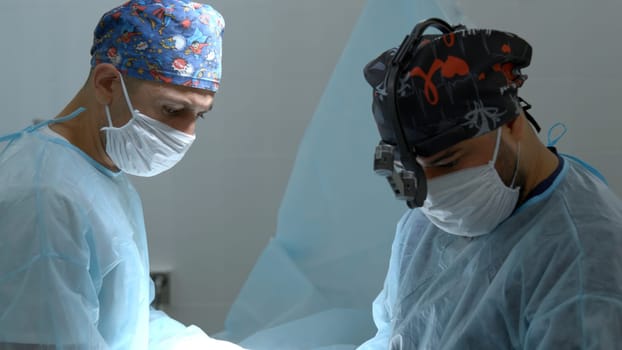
(74, 270)
(508, 244)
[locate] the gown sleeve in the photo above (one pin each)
(48, 299)
(166, 333)
(383, 305)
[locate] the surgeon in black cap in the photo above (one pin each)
(507, 244)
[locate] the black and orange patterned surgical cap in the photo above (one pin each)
(457, 86)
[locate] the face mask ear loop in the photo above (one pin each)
(107, 109)
(127, 97)
(496, 152)
(516, 166)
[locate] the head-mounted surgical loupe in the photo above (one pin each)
(395, 157)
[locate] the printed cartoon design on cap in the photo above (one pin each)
(457, 86)
(171, 41)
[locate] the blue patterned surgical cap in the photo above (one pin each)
(170, 41)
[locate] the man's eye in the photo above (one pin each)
(450, 164)
(170, 110)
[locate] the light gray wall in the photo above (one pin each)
(210, 217)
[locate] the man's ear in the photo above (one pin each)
(105, 78)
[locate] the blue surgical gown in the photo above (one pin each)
(549, 277)
(74, 271)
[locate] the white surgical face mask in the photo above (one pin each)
(144, 146)
(471, 202)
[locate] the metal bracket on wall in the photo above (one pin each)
(161, 281)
